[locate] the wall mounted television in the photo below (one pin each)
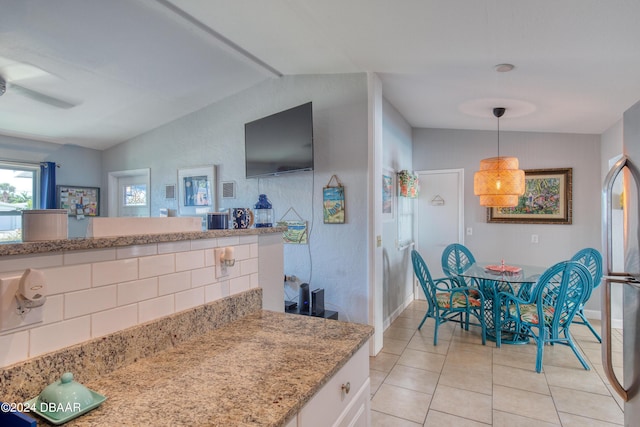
(280, 143)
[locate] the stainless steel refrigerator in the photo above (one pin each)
(626, 174)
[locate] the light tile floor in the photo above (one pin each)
(462, 383)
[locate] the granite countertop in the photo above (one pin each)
(27, 248)
(259, 370)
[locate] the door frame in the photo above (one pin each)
(461, 231)
(112, 186)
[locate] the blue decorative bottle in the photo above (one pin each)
(263, 211)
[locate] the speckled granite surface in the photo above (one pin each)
(27, 248)
(258, 370)
(100, 356)
(252, 372)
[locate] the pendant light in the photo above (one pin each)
(499, 182)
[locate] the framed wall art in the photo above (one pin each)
(78, 201)
(196, 190)
(547, 199)
(388, 186)
(333, 202)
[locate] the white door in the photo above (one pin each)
(129, 193)
(439, 217)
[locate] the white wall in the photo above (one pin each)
(444, 148)
(78, 166)
(336, 257)
(397, 268)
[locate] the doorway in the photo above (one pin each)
(129, 193)
(439, 219)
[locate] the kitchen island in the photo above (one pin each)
(148, 322)
(217, 368)
(259, 370)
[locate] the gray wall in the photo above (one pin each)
(444, 149)
(336, 258)
(397, 269)
(78, 166)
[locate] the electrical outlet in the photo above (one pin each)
(10, 317)
(469, 231)
(534, 238)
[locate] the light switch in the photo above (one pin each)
(469, 231)
(378, 241)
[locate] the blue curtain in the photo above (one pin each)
(47, 185)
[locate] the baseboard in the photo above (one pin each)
(397, 312)
(597, 315)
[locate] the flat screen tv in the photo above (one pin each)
(280, 143)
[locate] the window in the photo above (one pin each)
(135, 195)
(19, 190)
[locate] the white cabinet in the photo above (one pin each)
(344, 400)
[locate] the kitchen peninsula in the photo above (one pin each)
(216, 358)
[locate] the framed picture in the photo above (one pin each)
(196, 190)
(78, 201)
(333, 202)
(388, 186)
(546, 199)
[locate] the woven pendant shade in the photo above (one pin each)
(499, 182)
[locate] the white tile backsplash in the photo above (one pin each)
(137, 251)
(243, 240)
(155, 308)
(242, 252)
(97, 292)
(172, 283)
(253, 250)
(170, 247)
(189, 299)
(59, 335)
(68, 278)
(216, 291)
(239, 284)
(249, 266)
(208, 257)
(89, 301)
(189, 260)
(157, 265)
(88, 257)
(255, 282)
(14, 348)
(53, 309)
(204, 244)
(106, 273)
(223, 242)
(18, 264)
(117, 319)
(138, 290)
(203, 276)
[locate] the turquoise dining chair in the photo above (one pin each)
(592, 259)
(447, 301)
(456, 259)
(548, 313)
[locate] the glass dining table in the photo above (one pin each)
(491, 279)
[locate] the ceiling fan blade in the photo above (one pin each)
(41, 97)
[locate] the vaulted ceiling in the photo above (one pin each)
(95, 73)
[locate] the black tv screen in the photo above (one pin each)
(280, 143)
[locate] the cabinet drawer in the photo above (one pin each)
(331, 401)
(358, 413)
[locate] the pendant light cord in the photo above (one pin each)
(498, 137)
